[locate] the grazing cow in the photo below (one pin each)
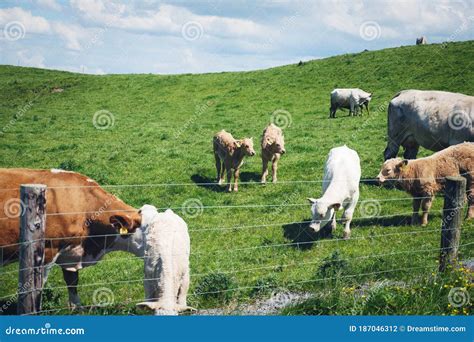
(421, 41)
(340, 189)
(352, 99)
(432, 119)
(424, 177)
(167, 249)
(273, 146)
(83, 222)
(229, 154)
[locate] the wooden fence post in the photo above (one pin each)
(32, 227)
(454, 193)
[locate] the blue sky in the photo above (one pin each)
(171, 37)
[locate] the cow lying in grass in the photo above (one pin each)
(425, 177)
(167, 249)
(229, 154)
(340, 190)
(273, 146)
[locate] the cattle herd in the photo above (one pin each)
(85, 222)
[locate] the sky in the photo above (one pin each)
(175, 37)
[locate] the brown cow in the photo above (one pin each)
(83, 221)
(273, 146)
(229, 154)
(426, 176)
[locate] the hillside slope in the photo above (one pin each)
(161, 134)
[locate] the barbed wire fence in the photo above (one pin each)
(374, 215)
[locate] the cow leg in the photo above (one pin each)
(72, 280)
(275, 160)
(236, 179)
(332, 112)
(416, 208)
(221, 179)
(347, 216)
(182, 293)
(425, 206)
(228, 169)
(218, 168)
(391, 151)
(411, 148)
(333, 223)
(367, 108)
(264, 169)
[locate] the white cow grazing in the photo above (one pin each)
(340, 189)
(352, 99)
(167, 249)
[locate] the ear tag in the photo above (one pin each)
(123, 231)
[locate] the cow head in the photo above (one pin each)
(277, 144)
(321, 212)
(391, 169)
(246, 144)
(125, 224)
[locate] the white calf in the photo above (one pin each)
(167, 249)
(340, 189)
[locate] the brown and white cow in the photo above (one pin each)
(83, 221)
(229, 154)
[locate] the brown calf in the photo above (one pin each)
(426, 176)
(229, 154)
(273, 146)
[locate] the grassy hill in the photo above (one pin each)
(161, 133)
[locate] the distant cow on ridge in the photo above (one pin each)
(421, 41)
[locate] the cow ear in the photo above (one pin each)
(311, 200)
(335, 206)
(237, 144)
(403, 163)
(123, 223)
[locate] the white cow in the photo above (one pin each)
(340, 189)
(352, 99)
(167, 249)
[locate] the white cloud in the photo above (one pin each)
(71, 34)
(52, 4)
(31, 23)
(26, 58)
(167, 19)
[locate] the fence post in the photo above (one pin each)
(454, 193)
(32, 227)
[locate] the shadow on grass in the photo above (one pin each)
(210, 183)
(398, 220)
(303, 236)
(207, 183)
